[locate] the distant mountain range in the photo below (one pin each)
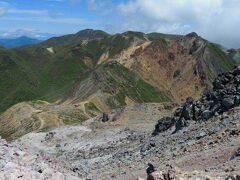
(18, 42)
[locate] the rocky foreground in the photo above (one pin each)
(201, 140)
(17, 163)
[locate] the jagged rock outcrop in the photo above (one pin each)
(224, 96)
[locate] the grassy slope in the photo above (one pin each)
(217, 61)
(34, 73)
(122, 83)
(15, 83)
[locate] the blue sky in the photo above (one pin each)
(56, 16)
(215, 20)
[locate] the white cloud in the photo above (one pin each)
(101, 7)
(28, 11)
(30, 32)
(217, 20)
(46, 19)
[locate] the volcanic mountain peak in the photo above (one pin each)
(90, 34)
(87, 34)
(192, 34)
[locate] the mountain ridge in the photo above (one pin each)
(87, 34)
(51, 73)
(109, 72)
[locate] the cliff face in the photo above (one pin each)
(180, 66)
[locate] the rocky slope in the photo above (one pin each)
(179, 65)
(121, 148)
(199, 141)
(96, 72)
(16, 163)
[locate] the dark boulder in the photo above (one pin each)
(186, 113)
(228, 103)
(105, 117)
(237, 100)
(150, 169)
(163, 124)
(207, 115)
(49, 136)
(187, 110)
(217, 85)
(238, 89)
(236, 71)
(236, 154)
(230, 177)
(180, 124)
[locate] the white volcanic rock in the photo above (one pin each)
(16, 163)
(122, 147)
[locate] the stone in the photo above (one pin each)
(236, 154)
(230, 178)
(238, 89)
(217, 85)
(227, 103)
(181, 123)
(150, 169)
(200, 135)
(58, 145)
(206, 115)
(49, 136)
(236, 100)
(105, 117)
(236, 71)
(163, 124)
(186, 113)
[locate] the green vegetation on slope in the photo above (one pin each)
(221, 57)
(217, 61)
(123, 83)
(35, 73)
